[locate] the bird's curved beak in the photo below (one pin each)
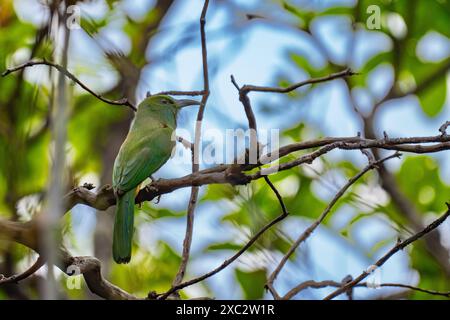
(181, 103)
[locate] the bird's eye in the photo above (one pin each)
(165, 101)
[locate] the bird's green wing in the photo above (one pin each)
(137, 161)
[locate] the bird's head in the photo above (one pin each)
(167, 102)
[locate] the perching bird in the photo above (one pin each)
(146, 148)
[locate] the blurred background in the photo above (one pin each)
(126, 48)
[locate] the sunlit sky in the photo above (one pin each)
(256, 52)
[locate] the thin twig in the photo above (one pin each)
(285, 213)
(329, 283)
(341, 74)
(399, 246)
(310, 284)
(22, 276)
(323, 215)
(443, 128)
(195, 154)
(245, 100)
(399, 285)
(182, 93)
(71, 76)
(364, 143)
(227, 262)
(230, 260)
(277, 194)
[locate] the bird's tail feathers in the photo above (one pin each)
(123, 227)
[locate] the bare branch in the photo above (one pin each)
(310, 284)
(71, 76)
(329, 283)
(399, 246)
(90, 267)
(399, 285)
(341, 74)
(22, 276)
(285, 213)
(183, 93)
(352, 143)
(195, 153)
(245, 100)
(313, 226)
(230, 260)
(227, 262)
(232, 174)
(243, 97)
(277, 194)
(443, 128)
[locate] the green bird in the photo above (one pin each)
(147, 147)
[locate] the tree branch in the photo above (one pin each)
(233, 174)
(227, 262)
(318, 221)
(71, 76)
(245, 100)
(341, 74)
(183, 93)
(329, 283)
(22, 276)
(399, 246)
(26, 233)
(90, 268)
(195, 153)
(399, 285)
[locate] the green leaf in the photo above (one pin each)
(91, 26)
(302, 62)
(111, 3)
(223, 246)
(252, 283)
(216, 192)
(337, 11)
(373, 62)
(420, 179)
(379, 245)
(432, 99)
(431, 275)
(293, 10)
(156, 213)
